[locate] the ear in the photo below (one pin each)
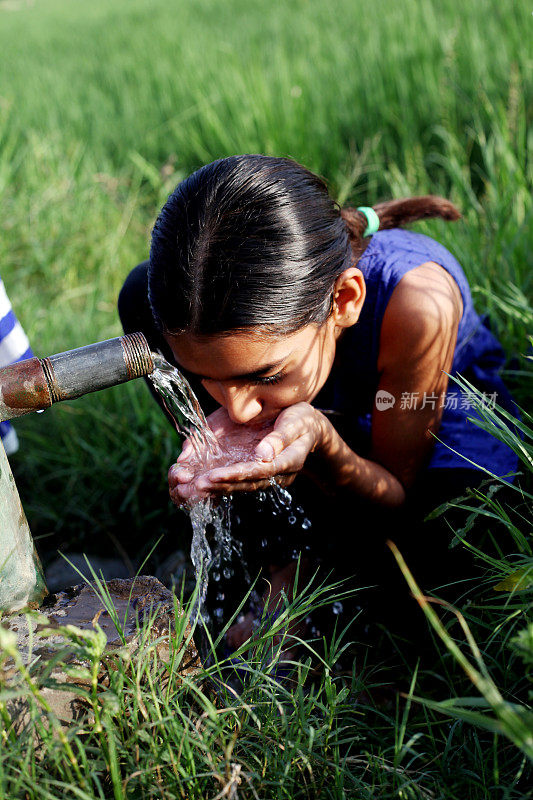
(348, 298)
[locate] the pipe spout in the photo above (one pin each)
(37, 383)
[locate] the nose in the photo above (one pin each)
(242, 405)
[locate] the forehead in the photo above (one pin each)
(220, 357)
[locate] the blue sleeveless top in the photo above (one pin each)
(350, 391)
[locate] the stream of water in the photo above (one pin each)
(189, 419)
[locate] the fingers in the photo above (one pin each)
(290, 425)
(182, 492)
(179, 474)
(239, 471)
(206, 485)
(280, 453)
(187, 450)
(292, 458)
(242, 486)
(198, 490)
(228, 487)
(269, 447)
(219, 422)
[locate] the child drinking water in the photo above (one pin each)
(321, 339)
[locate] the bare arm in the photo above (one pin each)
(417, 343)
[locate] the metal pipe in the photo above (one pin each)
(32, 385)
(37, 383)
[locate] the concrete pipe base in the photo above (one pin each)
(135, 599)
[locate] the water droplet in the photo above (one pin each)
(292, 519)
(218, 613)
(228, 573)
(306, 524)
(264, 542)
(337, 607)
(220, 596)
(190, 422)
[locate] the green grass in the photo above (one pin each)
(104, 107)
(317, 732)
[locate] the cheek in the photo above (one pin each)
(213, 388)
(282, 396)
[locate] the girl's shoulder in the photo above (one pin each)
(392, 253)
(399, 246)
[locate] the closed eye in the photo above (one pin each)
(268, 380)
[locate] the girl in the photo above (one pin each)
(325, 337)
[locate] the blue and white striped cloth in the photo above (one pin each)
(14, 346)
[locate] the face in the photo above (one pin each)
(256, 376)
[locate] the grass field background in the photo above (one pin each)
(104, 107)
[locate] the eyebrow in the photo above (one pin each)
(245, 376)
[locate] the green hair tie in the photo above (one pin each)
(372, 220)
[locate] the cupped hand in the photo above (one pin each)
(236, 443)
(250, 457)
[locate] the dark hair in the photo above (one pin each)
(255, 241)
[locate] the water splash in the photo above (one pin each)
(184, 408)
(281, 500)
(182, 405)
(189, 419)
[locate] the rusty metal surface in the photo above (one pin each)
(100, 366)
(137, 355)
(23, 388)
(37, 383)
(54, 389)
(88, 369)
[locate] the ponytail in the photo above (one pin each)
(394, 213)
(253, 241)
